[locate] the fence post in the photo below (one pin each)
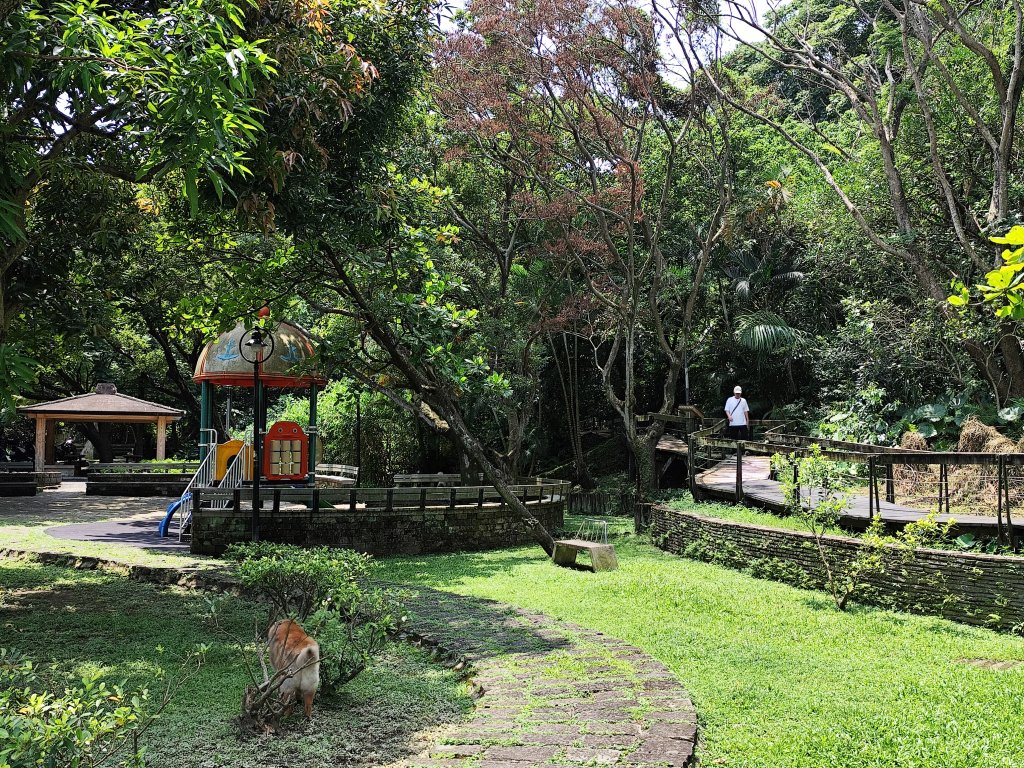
(739, 472)
(871, 487)
(1000, 470)
(691, 466)
(890, 484)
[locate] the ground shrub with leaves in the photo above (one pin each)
(330, 592)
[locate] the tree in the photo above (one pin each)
(568, 100)
(908, 75)
(136, 92)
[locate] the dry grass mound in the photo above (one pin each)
(976, 437)
(913, 441)
(973, 487)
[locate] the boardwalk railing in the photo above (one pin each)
(529, 492)
(980, 484)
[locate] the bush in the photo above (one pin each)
(330, 592)
(88, 723)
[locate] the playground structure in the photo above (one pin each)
(266, 357)
(982, 492)
(268, 485)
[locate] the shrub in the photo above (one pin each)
(822, 508)
(47, 720)
(330, 592)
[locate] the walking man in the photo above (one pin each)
(738, 413)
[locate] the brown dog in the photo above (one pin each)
(298, 654)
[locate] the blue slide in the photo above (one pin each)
(173, 507)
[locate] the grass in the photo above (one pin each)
(101, 621)
(779, 677)
(741, 514)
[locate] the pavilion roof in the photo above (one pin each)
(106, 403)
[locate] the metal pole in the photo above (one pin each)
(204, 417)
(359, 436)
(999, 493)
(257, 441)
(871, 488)
(1010, 534)
(739, 472)
(312, 431)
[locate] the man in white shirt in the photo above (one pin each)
(738, 413)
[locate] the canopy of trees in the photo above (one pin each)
(535, 221)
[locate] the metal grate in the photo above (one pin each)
(593, 530)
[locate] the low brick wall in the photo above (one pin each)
(136, 484)
(375, 531)
(48, 479)
(971, 588)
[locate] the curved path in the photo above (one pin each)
(547, 691)
(760, 489)
(552, 692)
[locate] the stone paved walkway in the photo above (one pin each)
(552, 693)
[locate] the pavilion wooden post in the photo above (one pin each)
(50, 454)
(40, 457)
(161, 438)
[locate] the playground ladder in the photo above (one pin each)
(237, 472)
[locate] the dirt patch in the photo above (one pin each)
(993, 664)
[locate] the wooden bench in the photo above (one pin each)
(592, 538)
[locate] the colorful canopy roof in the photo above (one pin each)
(290, 362)
(105, 404)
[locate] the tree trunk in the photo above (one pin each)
(474, 452)
(99, 435)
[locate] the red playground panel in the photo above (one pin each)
(285, 452)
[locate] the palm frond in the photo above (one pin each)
(766, 333)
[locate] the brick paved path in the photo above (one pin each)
(552, 693)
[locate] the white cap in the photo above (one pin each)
(737, 390)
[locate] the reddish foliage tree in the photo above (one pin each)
(571, 98)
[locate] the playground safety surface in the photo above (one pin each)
(131, 521)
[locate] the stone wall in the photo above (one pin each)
(376, 531)
(971, 588)
(136, 484)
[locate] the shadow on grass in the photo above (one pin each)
(126, 628)
(475, 626)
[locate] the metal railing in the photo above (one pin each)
(1001, 487)
(531, 492)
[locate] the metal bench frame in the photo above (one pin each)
(592, 538)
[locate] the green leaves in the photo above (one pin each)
(81, 723)
(1004, 286)
(766, 333)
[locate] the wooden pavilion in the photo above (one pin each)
(105, 404)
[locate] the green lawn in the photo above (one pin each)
(780, 678)
(106, 622)
(742, 514)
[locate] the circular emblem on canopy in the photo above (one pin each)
(289, 362)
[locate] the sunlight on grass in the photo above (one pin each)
(779, 677)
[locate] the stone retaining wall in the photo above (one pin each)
(136, 484)
(972, 588)
(376, 531)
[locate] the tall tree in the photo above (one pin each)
(569, 98)
(936, 87)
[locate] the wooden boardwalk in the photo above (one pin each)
(761, 490)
